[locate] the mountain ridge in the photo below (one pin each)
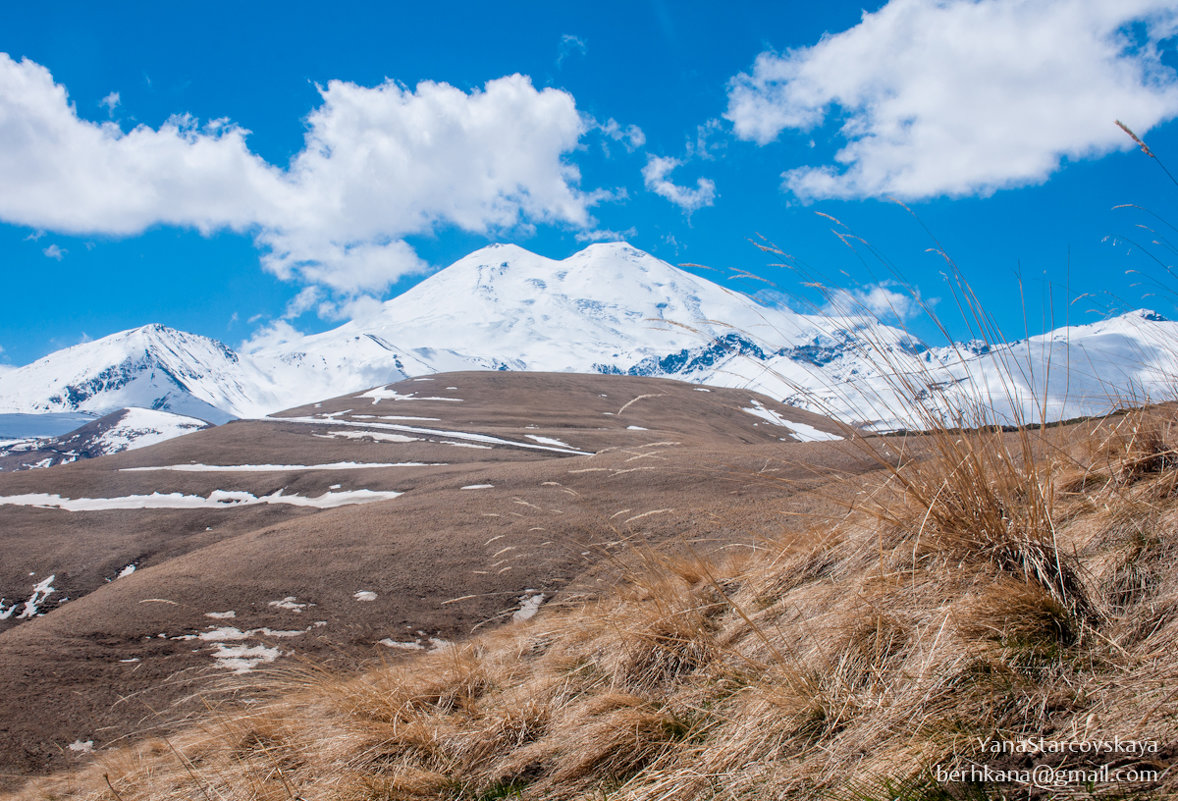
(609, 308)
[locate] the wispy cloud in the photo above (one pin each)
(606, 235)
(775, 298)
(570, 44)
(272, 334)
(655, 176)
(631, 136)
(54, 252)
(885, 301)
(963, 97)
(709, 140)
(307, 299)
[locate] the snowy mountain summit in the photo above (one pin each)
(609, 308)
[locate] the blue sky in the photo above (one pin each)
(245, 171)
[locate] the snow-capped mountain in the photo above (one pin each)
(153, 367)
(609, 308)
(612, 309)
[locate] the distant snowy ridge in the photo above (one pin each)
(122, 430)
(1069, 372)
(610, 309)
(153, 367)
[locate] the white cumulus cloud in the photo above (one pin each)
(655, 175)
(962, 97)
(77, 176)
(379, 164)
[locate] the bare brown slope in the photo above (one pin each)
(994, 588)
(669, 458)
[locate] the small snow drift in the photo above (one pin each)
(529, 605)
(31, 607)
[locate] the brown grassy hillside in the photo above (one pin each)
(992, 587)
(136, 652)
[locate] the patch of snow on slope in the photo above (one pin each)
(290, 603)
(548, 441)
(244, 658)
(41, 591)
(529, 605)
(364, 595)
(389, 642)
(802, 431)
(227, 633)
(455, 434)
(376, 436)
(385, 393)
